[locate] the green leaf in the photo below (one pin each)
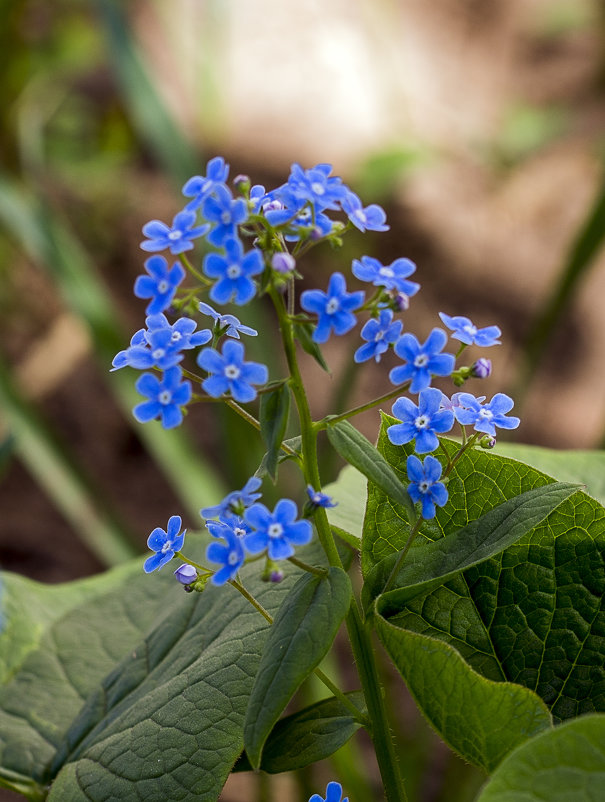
(308, 736)
(359, 452)
(480, 719)
(293, 442)
(584, 467)
(303, 333)
(300, 637)
(433, 563)
(100, 710)
(566, 764)
(531, 615)
(274, 410)
(350, 493)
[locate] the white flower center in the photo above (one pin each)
(234, 271)
(422, 421)
(317, 188)
(239, 531)
(361, 216)
(158, 353)
(421, 361)
(174, 235)
(379, 336)
(332, 306)
(232, 372)
(166, 547)
(486, 414)
(163, 286)
(165, 397)
(233, 558)
(387, 272)
(226, 218)
(424, 486)
(470, 329)
(275, 530)
(175, 336)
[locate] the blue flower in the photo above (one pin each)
(422, 422)
(316, 186)
(165, 544)
(231, 556)
(160, 285)
(379, 334)
(333, 794)
(235, 502)
(465, 331)
(199, 187)
(161, 344)
(176, 238)
(319, 499)
(228, 325)
(422, 361)
(485, 417)
(278, 532)
(225, 212)
(229, 372)
(392, 277)
(425, 485)
(233, 271)
(334, 307)
(186, 574)
(166, 398)
(372, 218)
(121, 359)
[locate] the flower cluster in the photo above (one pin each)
(254, 239)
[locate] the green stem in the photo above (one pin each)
(188, 266)
(331, 419)
(311, 569)
(358, 634)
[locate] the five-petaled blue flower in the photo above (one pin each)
(229, 372)
(485, 417)
(228, 325)
(334, 307)
(319, 499)
(231, 556)
(333, 794)
(425, 485)
(233, 271)
(235, 502)
(160, 285)
(316, 186)
(392, 277)
(372, 218)
(177, 237)
(422, 422)
(379, 334)
(278, 532)
(422, 361)
(166, 397)
(226, 212)
(465, 331)
(161, 344)
(199, 187)
(164, 543)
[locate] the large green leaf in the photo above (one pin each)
(566, 764)
(308, 736)
(349, 492)
(435, 562)
(102, 711)
(480, 719)
(300, 637)
(531, 615)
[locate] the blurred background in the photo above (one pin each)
(479, 127)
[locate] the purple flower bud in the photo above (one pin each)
(482, 368)
(401, 302)
(283, 262)
(186, 574)
(272, 205)
(487, 441)
(276, 576)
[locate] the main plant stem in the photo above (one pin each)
(359, 634)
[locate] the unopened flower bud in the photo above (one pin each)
(272, 205)
(186, 574)
(283, 262)
(241, 183)
(487, 441)
(276, 576)
(401, 302)
(482, 368)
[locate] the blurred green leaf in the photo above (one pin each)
(274, 410)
